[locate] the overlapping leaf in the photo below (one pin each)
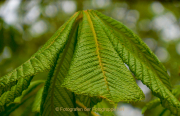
(37, 101)
(12, 84)
(141, 61)
(8, 101)
(105, 109)
(154, 103)
(15, 91)
(42, 60)
(96, 69)
(31, 90)
(88, 102)
(55, 97)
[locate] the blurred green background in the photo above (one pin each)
(25, 25)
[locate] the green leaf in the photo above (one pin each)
(10, 108)
(15, 91)
(56, 97)
(96, 68)
(41, 61)
(37, 101)
(32, 89)
(28, 110)
(104, 108)
(176, 91)
(87, 56)
(154, 103)
(88, 102)
(10, 100)
(140, 59)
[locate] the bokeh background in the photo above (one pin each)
(25, 25)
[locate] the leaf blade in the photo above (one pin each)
(55, 96)
(93, 69)
(151, 73)
(15, 91)
(41, 61)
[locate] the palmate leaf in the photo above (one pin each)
(87, 56)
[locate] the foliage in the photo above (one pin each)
(154, 103)
(26, 95)
(87, 60)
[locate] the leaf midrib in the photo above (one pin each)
(147, 64)
(97, 50)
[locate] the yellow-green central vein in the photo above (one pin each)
(97, 49)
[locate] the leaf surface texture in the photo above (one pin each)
(96, 69)
(87, 57)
